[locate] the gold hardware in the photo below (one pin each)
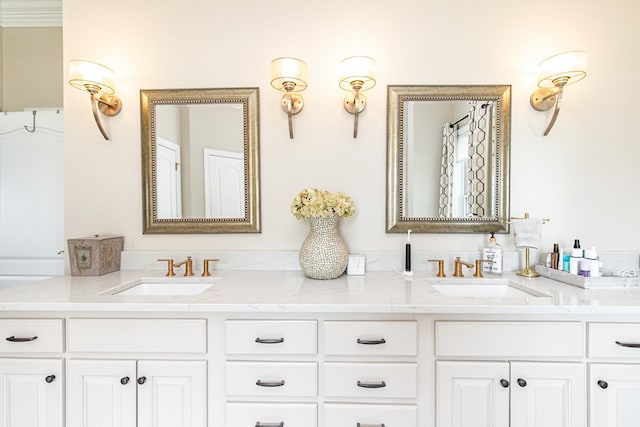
(527, 272)
(440, 267)
(478, 272)
(205, 268)
(188, 263)
(169, 266)
(458, 267)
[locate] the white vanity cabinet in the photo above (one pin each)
(371, 373)
(500, 374)
(31, 373)
(614, 374)
(111, 383)
(271, 373)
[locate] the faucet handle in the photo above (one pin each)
(169, 266)
(205, 269)
(478, 272)
(440, 267)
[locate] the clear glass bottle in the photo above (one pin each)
(492, 251)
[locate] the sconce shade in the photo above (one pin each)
(571, 66)
(357, 69)
(289, 70)
(86, 74)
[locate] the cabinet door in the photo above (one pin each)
(615, 395)
(101, 393)
(472, 394)
(548, 394)
(30, 393)
(171, 394)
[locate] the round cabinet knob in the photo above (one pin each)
(142, 380)
(50, 378)
(124, 380)
(521, 382)
(603, 384)
(504, 383)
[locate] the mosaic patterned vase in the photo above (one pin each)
(323, 254)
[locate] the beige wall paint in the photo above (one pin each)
(583, 175)
(31, 68)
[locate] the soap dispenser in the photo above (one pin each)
(492, 251)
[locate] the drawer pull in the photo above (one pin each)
(623, 344)
(280, 424)
(18, 339)
(372, 385)
(124, 380)
(270, 383)
(521, 382)
(372, 342)
(603, 384)
(370, 425)
(49, 379)
(142, 380)
(269, 341)
(504, 383)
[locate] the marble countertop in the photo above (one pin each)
(291, 291)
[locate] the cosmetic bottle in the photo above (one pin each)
(492, 251)
(576, 257)
(592, 257)
(407, 256)
(555, 256)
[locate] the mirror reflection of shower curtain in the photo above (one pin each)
(481, 137)
(447, 168)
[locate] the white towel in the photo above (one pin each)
(527, 232)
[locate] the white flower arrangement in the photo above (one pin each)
(314, 203)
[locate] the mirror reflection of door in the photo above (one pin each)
(168, 179)
(223, 184)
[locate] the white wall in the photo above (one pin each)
(583, 175)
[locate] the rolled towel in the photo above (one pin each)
(527, 232)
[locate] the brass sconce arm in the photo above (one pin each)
(109, 105)
(545, 99)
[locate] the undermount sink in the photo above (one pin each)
(156, 286)
(483, 288)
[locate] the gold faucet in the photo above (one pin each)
(188, 270)
(440, 267)
(169, 266)
(458, 267)
(478, 272)
(205, 269)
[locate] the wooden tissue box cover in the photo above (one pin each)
(95, 255)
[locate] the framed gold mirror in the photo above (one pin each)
(448, 158)
(200, 160)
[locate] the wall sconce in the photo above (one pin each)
(290, 76)
(357, 75)
(556, 72)
(98, 81)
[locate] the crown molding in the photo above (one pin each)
(31, 13)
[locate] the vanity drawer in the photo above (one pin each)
(347, 415)
(271, 414)
(138, 335)
(31, 336)
(271, 337)
(398, 338)
(291, 379)
(389, 380)
(618, 340)
(510, 339)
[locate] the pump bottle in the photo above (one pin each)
(492, 252)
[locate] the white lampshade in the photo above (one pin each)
(357, 68)
(290, 70)
(83, 73)
(572, 65)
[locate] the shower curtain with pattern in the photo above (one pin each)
(481, 138)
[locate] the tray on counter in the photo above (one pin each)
(604, 282)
